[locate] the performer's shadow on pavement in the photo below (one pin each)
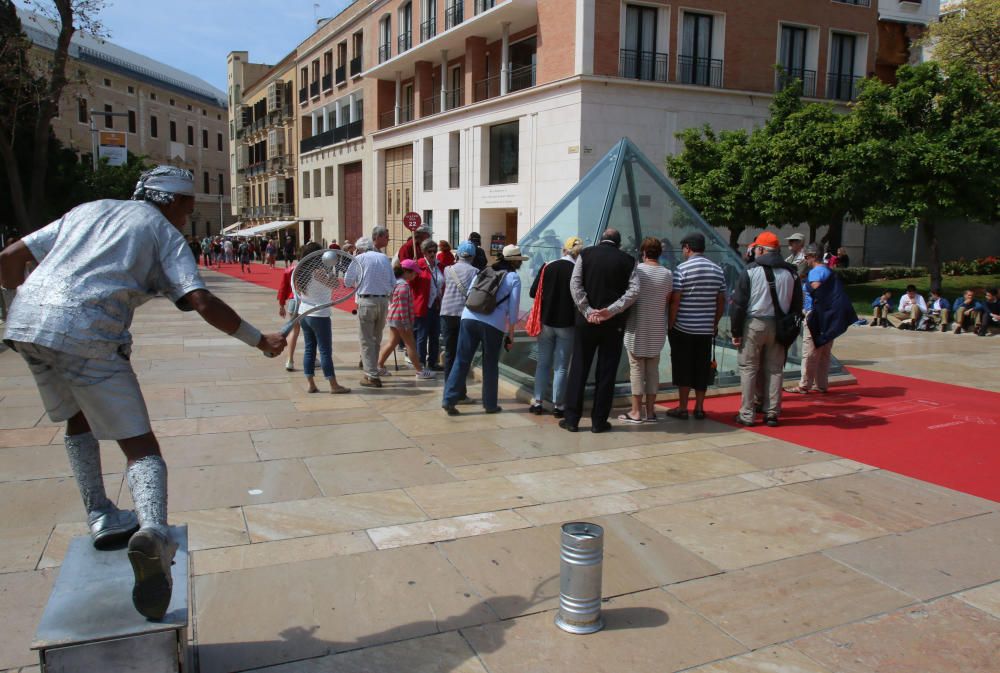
(299, 643)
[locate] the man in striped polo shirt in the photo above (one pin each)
(696, 306)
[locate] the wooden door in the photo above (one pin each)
(398, 193)
(351, 212)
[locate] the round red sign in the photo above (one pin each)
(411, 221)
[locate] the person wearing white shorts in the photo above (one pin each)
(69, 321)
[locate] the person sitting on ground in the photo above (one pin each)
(991, 312)
(401, 318)
(938, 311)
(968, 312)
(911, 310)
(881, 307)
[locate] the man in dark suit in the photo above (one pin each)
(604, 285)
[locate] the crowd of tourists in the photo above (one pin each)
(936, 312)
(214, 251)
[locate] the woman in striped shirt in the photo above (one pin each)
(646, 332)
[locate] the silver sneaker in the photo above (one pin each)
(151, 554)
(112, 528)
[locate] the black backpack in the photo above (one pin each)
(787, 325)
(483, 294)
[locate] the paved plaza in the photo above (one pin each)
(371, 533)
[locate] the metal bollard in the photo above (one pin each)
(580, 564)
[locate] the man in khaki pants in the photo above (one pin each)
(753, 320)
(371, 273)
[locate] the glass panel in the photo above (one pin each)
(504, 153)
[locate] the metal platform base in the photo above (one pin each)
(90, 624)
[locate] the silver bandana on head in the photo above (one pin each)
(84, 454)
(147, 479)
(161, 184)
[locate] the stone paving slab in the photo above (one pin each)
(310, 516)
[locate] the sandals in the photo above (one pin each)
(798, 390)
(628, 419)
(677, 412)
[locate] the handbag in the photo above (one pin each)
(533, 326)
(787, 325)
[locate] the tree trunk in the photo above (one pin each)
(812, 231)
(16, 186)
(934, 261)
(734, 238)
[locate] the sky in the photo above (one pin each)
(196, 35)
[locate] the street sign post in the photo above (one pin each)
(412, 222)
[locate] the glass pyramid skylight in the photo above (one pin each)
(625, 191)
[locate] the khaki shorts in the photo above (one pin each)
(106, 391)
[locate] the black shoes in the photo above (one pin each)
(494, 410)
(567, 426)
(536, 409)
(602, 427)
(450, 409)
(558, 413)
(771, 420)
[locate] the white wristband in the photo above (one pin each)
(247, 333)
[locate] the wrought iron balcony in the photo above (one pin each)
(341, 74)
(521, 78)
(649, 66)
(428, 179)
(701, 71)
(404, 42)
(355, 66)
(384, 53)
(315, 142)
(314, 89)
(431, 106)
(841, 87)
(327, 82)
(786, 77)
(487, 88)
(428, 29)
(387, 120)
(303, 95)
(454, 15)
(453, 99)
(406, 113)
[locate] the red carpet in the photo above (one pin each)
(944, 434)
(265, 276)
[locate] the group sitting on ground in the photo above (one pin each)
(913, 312)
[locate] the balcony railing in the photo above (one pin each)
(649, 66)
(487, 88)
(384, 53)
(280, 210)
(315, 142)
(701, 71)
(453, 177)
(303, 95)
(340, 74)
(404, 42)
(338, 134)
(454, 15)
(256, 169)
(521, 78)
(431, 105)
(355, 66)
(784, 78)
(453, 98)
(482, 5)
(859, 3)
(327, 82)
(355, 129)
(314, 89)
(841, 87)
(428, 180)
(282, 163)
(406, 113)
(387, 120)
(428, 29)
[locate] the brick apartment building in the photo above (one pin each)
(480, 115)
(172, 117)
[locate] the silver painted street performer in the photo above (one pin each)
(70, 321)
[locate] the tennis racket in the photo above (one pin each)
(318, 281)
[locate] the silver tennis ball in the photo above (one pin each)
(329, 258)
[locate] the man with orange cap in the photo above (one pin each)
(766, 291)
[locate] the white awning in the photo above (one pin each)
(231, 227)
(266, 227)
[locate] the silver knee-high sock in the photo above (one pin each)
(147, 479)
(84, 454)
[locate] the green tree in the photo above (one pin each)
(713, 173)
(30, 88)
(928, 151)
(970, 35)
(800, 176)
